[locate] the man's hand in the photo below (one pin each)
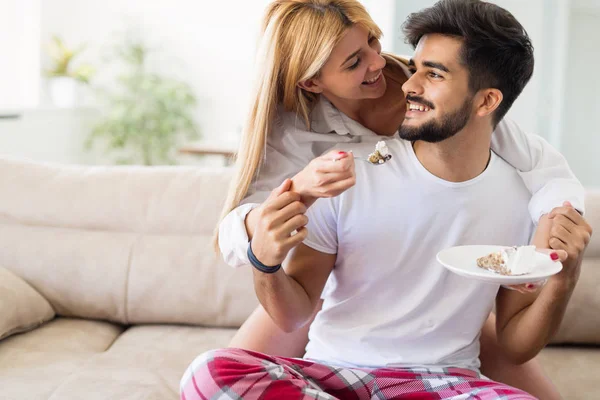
(278, 217)
(569, 232)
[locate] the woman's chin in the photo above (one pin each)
(375, 92)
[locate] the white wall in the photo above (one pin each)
(561, 102)
(210, 44)
(581, 102)
(19, 58)
(531, 110)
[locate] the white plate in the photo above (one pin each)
(462, 260)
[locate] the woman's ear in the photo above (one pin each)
(311, 85)
(489, 100)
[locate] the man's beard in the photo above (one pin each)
(436, 131)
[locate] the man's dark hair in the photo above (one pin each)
(496, 48)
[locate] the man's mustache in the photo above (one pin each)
(420, 100)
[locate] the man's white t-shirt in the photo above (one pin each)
(389, 302)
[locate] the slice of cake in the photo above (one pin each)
(381, 153)
(511, 261)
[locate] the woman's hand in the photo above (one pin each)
(532, 287)
(571, 233)
(277, 218)
(326, 176)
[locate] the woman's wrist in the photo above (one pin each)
(251, 221)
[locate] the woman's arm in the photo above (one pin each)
(322, 177)
(543, 169)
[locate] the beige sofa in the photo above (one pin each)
(109, 275)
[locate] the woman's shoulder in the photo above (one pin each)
(396, 67)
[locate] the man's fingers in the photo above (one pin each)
(296, 239)
(284, 187)
(287, 212)
(293, 224)
(283, 200)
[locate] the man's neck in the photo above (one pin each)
(460, 158)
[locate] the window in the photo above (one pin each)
(19, 53)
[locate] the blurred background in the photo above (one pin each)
(167, 81)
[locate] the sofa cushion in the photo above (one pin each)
(145, 362)
(35, 364)
(574, 370)
(581, 324)
(125, 244)
(22, 308)
(592, 215)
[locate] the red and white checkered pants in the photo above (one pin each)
(241, 374)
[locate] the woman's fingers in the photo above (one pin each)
(560, 232)
(568, 212)
(332, 177)
(555, 255)
(335, 188)
(530, 287)
(328, 164)
(558, 244)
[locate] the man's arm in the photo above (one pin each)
(290, 296)
(526, 322)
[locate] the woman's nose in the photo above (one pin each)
(379, 62)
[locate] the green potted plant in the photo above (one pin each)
(146, 115)
(63, 76)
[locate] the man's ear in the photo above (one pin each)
(311, 85)
(488, 100)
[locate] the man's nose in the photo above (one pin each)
(413, 85)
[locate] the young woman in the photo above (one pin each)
(324, 81)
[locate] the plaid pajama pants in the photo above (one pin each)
(241, 374)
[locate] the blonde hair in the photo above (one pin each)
(298, 37)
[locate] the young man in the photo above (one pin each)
(394, 322)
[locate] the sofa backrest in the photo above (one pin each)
(581, 324)
(133, 245)
(126, 244)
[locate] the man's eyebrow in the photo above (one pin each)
(351, 56)
(436, 65)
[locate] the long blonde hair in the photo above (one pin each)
(298, 37)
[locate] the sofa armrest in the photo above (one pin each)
(22, 308)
